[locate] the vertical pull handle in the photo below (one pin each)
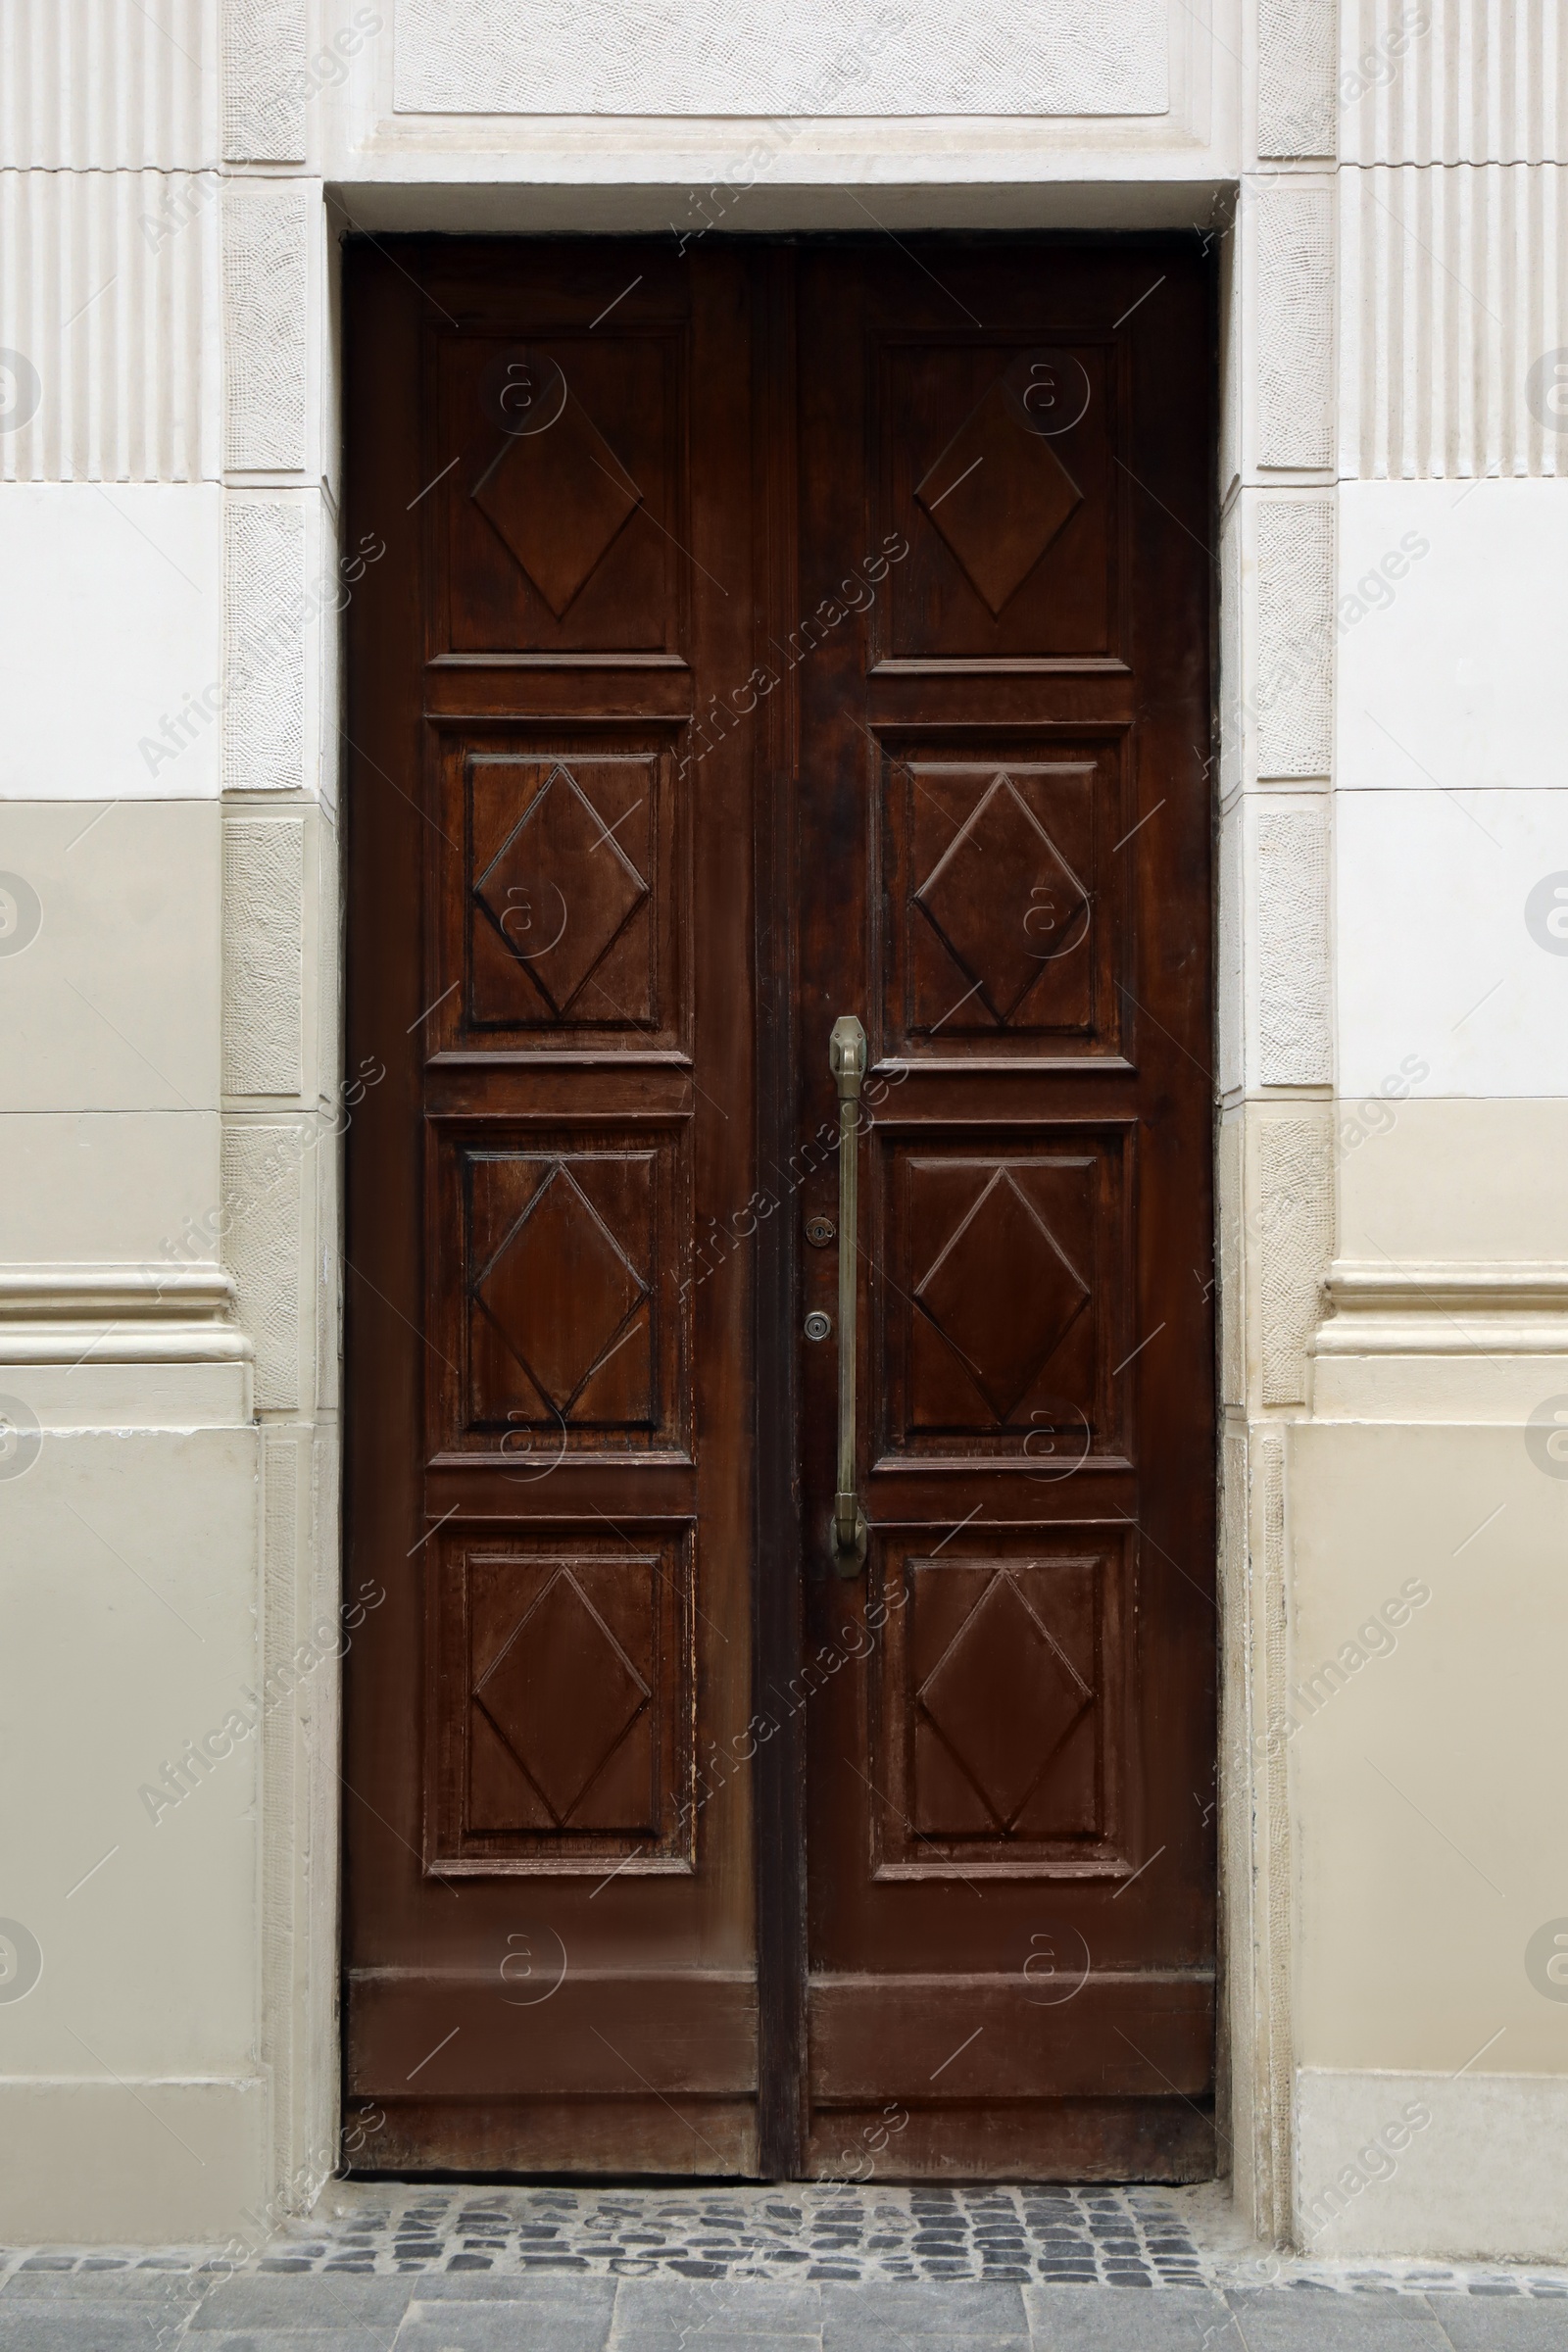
(847, 1061)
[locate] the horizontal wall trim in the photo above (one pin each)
(120, 1314)
(1412, 1307)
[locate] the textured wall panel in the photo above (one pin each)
(1229, 979)
(266, 274)
(1237, 1856)
(263, 98)
(1486, 83)
(1294, 654)
(1296, 56)
(263, 646)
(1454, 286)
(261, 1187)
(108, 283)
(107, 84)
(1281, 2069)
(280, 1466)
(1293, 325)
(318, 2066)
(1293, 1037)
(1230, 651)
(1232, 1268)
(263, 910)
(748, 57)
(1295, 1224)
(328, 1307)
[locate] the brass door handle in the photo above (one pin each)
(847, 1061)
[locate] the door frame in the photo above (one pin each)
(303, 1803)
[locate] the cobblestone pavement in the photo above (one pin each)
(810, 2268)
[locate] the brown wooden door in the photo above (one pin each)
(757, 640)
(1003, 870)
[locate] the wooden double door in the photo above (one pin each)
(768, 636)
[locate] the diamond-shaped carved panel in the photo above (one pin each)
(1003, 899)
(998, 495)
(559, 890)
(563, 1694)
(559, 499)
(1002, 1291)
(559, 1290)
(1004, 1697)
(564, 1718)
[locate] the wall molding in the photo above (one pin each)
(118, 1314)
(1412, 1307)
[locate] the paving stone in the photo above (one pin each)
(291, 2339)
(967, 2310)
(1075, 2321)
(493, 2328)
(102, 2325)
(116, 2289)
(1483, 2323)
(1274, 2319)
(317, 2304)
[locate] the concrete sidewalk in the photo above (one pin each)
(149, 2309)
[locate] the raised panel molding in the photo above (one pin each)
(560, 1330)
(105, 278)
(1294, 323)
(1485, 81)
(263, 646)
(266, 290)
(263, 60)
(1296, 97)
(1295, 1220)
(1000, 1702)
(1294, 1042)
(261, 1197)
(1009, 926)
(1045, 57)
(1454, 284)
(565, 931)
(536, 1763)
(1294, 657)
(264, 912)
(1005, 1304)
